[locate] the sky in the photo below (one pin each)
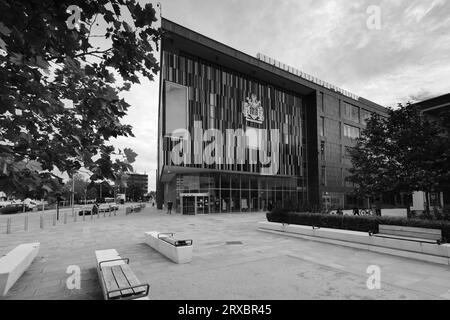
(405, 57)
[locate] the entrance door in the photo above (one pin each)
(194, 203)
(189, 205)
(202, 205)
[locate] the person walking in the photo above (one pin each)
(169, 207)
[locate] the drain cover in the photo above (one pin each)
(233, 243)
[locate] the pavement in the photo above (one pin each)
(231, 261)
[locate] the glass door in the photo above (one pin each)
(189, 205)
(202, 205)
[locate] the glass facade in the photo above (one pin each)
(215, 99)
(228, 193)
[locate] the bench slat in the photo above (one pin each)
(122, 281)
(379, 235)
(132, 279)
(110, 282)
(410, 229)
(410, 232)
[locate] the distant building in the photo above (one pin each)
(137, 186)
(432, 108)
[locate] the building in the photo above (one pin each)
(137, 186)
(240, 133)
(432, 108)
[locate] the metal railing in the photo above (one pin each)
(31, 221)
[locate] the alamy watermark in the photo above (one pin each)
(374, 20)
(73, 282)
(212, 147)
(374, 280)
(74, 20)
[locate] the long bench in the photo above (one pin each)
(177, 250)
(410, 234)
(117, 279)
(15, 263)
(429, 252)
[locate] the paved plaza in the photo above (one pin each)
(231, 260)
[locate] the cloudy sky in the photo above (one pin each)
(407, 59)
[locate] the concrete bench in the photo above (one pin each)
(409, 234)
(117, 279)
(15, 263)
(177, 250)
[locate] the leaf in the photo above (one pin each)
(116, 9)
(47, 188)
(127, 27)
(16, 58)
(2, 44)
(34, 166)
(4, 29)
(40, 62)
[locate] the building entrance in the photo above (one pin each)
(195, 203)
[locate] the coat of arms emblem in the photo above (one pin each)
(253, 110)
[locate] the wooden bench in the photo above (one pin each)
(117, 279)
(409, 234)
(15, 263)
(177, 250)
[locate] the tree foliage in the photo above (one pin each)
(404, 152)
(59, 86)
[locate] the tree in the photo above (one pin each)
(59, 93)
(405, 152)
(91, 193)
(81, 184)
(122, 166)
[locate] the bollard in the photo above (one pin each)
(8, 225)
(92, 214)
(25, 227)
(109, 211)
(54, 219)
(41, 222)
(104, 214)
(65, 217)
(84, 216)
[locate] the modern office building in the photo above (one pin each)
(137, 186)
(240, 133)
(432, 108)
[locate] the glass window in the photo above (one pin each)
(351, 132)
(322, 126)
(322, 102)
(351, 112)
(176, 106)
(323, 176)
(365, 116)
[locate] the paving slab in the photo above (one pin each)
(231, 260)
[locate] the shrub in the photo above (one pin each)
(355, 223)
(11, 209)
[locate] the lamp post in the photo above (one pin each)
(73, 195)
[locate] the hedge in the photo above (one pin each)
(355, 223)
